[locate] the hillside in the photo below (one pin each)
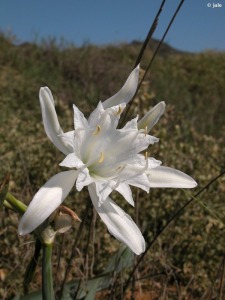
(192, 133)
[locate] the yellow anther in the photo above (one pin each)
(101, 157)
(97, 130)
(120, 110)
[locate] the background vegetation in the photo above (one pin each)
(188, 260)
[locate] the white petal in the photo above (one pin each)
(130, 125)
(46, 200)
(127, 91)
(119, 224)
(125, 191)
(153, 163)
(96, 115)
(50, 120)
(80, 121)
(103, 189)
(139, 180)
(152, 117)
(83, 179)
(68, 137)
(72, 161)
(169, 178)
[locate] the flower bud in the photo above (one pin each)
(63, 219)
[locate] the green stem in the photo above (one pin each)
(16, 204)
(8, 205)
(47, 282)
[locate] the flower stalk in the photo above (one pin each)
(47, 282)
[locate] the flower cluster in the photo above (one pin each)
(103, 158)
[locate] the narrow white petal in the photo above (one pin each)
(169, 178)
(125, 191)
(50, 120)
(46, 200)
(127, 91)
(119, 224)
(152, 117)
(96, 115)
(80, 121)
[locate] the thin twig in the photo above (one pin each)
(151, 61)
(149, 35)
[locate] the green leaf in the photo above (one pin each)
(120, 260)
(32, 296)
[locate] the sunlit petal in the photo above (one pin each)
(80, 121)
(50, 120)
(165, 177)
(127, 91)
(46, 200)
(72, 161)
(119, 224)
(125, 191)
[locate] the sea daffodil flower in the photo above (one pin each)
(103, 158)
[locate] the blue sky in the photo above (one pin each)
(197, 27)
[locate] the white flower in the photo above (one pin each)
(103, 158)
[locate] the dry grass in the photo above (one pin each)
(190, 253)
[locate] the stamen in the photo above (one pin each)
(120, 110)
(146, 158)
(101, 157)
(97, 130)
(146, 155)
(146, 130)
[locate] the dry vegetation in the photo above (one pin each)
(187, 260)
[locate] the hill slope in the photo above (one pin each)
(191, 139)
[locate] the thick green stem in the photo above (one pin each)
(16, 204)
(47, 282)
